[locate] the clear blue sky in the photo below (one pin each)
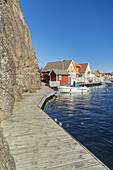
(81, 30)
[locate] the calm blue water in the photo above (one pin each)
(88, 118)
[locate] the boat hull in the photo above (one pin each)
(65, 89)
(109, 83)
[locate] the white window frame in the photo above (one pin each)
(73, 75)
(60, 77)
(71, 67)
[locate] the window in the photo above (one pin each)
(73, 75)
(71, 67)
(60, 77)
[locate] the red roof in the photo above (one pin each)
(83, 67)
(77, 64)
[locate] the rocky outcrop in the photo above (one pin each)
(18, 62)
(7, 64)
(6, 160)
(26, 63)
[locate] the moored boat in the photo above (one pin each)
(68, 89)
(109, 83)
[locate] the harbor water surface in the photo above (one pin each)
(88, 118)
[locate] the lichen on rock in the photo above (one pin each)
(7, 67)
(6, 160)
(18, 62)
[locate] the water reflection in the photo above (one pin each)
(89, 118)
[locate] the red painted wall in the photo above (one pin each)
(41, 78)
(78, 70)
(53, 76)
(64, 79)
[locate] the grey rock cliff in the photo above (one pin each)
(7, 65)
(6, 160)
(18, 62)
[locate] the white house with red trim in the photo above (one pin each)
(85, 69)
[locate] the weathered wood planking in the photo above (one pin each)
(38, 143)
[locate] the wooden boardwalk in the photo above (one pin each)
(38, 143)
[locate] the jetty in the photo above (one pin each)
(38, 143)
(95, 81)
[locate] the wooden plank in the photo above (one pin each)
(37, 142)
(77, 165)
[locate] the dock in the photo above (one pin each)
(37, 143)
(95, 81)
(90, 84)
(44, 99)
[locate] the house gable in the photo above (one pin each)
(88, 69)
(85, 69)
(72, 68)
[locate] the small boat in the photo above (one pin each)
(75, 89)
(109, 83)
(66, 89)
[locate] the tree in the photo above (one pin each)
(81, 75)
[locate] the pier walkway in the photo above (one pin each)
(38, 143)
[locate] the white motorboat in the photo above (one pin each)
(109, 83)
(69, 89)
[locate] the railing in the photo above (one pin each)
(45, 97)
(91, 80)
(54, 83)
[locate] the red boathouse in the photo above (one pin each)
(61, 76)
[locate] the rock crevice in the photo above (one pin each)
(18, 62)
